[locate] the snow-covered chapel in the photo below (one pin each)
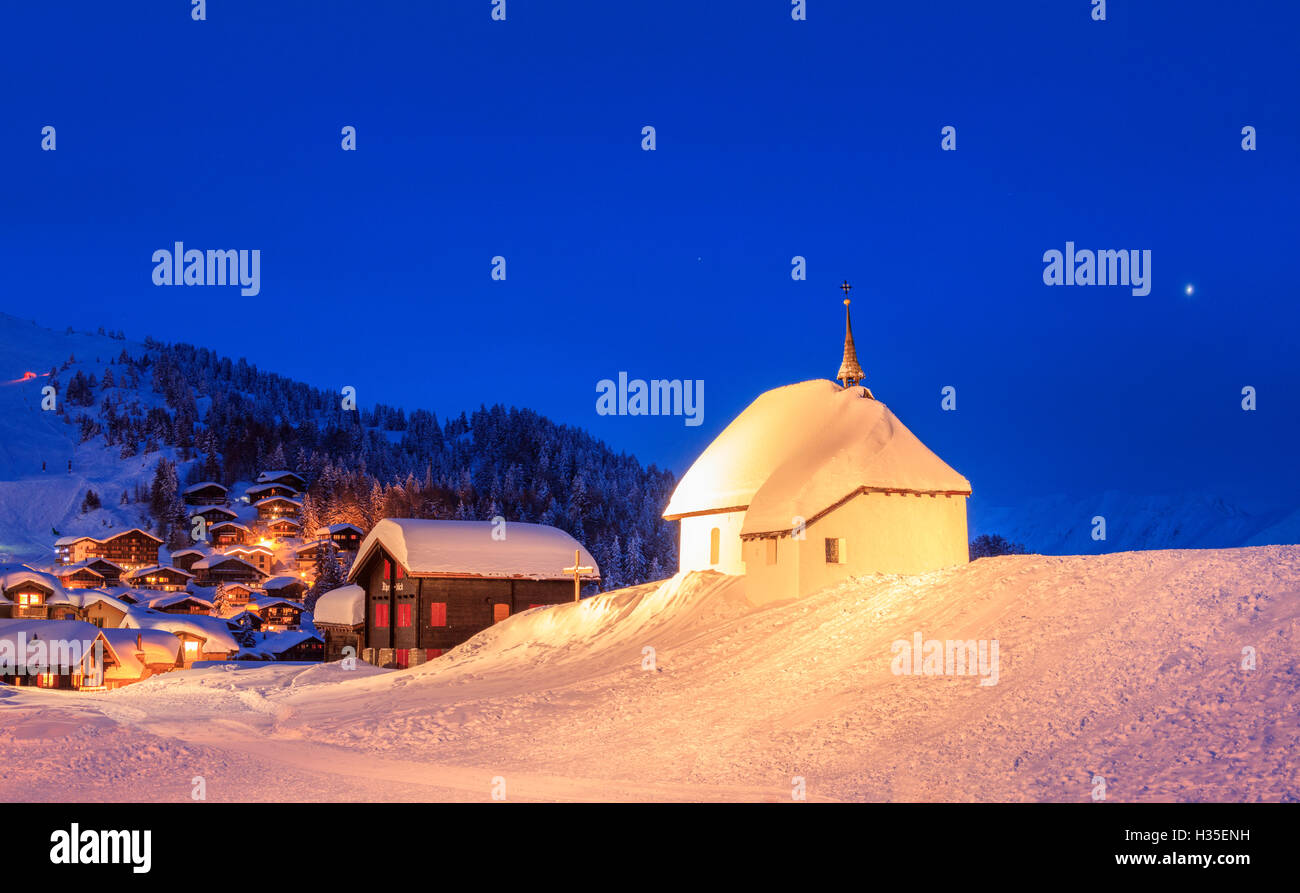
(815, 482)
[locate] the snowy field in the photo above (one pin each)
(1127, 666)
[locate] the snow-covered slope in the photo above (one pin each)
(34, 502)
(1125, 666)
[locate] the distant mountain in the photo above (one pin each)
(122, 406)
(1063, 524)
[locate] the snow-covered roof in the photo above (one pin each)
(201, 485)
(217, 560)
(258, 488)
(470, 549)
(157, 568)
(12, 575)
(280, 642)
(16, 632)
(281, 582)
(270, 499)
(69, 540)
(270, 477)
(175, 598)
(260, 602)
(799, 449)
(219, 524)
(213, 629)
(338, 528)
(158, 645)
(345, 606)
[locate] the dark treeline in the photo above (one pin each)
(368, 463)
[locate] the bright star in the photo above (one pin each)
(1188, 290)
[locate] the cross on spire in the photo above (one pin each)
(845, 285)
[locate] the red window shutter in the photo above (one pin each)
(404, 614)
(403, 656)
(438, 614)
(536, 606)
(388, 569)
(381, 614)
(401, 572)
(431, 653)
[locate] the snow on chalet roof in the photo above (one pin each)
(213, 630)
(175, 598)
(202, 485)
(338, 528)
(798, 450)
(158, 645)
(17, 632)
(468, 549)
(345, 606)
(155, 568)
(69, 540)
(217, 560)
(270, 477)
(12, 575)
(280, 582)
(270, 499)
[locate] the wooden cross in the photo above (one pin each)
(577, 570)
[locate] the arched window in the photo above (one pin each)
(715, 544)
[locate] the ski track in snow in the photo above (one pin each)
(1126, 666)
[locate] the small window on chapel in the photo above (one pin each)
(834, 550)
(715, 544)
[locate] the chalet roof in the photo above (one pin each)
(157, 568)
(470, 549)
(289, 521)
(799, 449)
(157, 645)
(18, 631)
(258, 603)
(217, 560)
(176, 598)
(12, 575)
(271, 485)
(345, 606)
(271, 477)
(278, 643)
(209, 509)
(311, 545)
(193, 550)
(220, 524)
(213, 630)
(270, 499)
(203, 485)
(280, 582)
(90, 563)
(338, 528)
(69, 540)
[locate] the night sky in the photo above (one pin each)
(775, 138)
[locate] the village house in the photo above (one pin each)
(277, 614)
(79, 576)
(181, 603)
(214, 515)
(201, 638)
(430, 585)
(258, 556)
(275, 507)
(156, 651)
(217, 569)
(233, 598)
(283, 528)
(258, 492)
(205, 493)
(62, 654)
(306, 556)
(287, 478)
(346, 537)
(102, 610)
(185, 559)
(815, 482)
(340, 618)
(30, 593)
(132, 549)
(160, 578)
(229, 533)
(288, 587)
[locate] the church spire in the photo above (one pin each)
(850, 372)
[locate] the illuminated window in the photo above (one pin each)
(715, 545)
(835, 550)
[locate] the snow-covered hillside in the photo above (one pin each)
(36, 501)
(1126, 666)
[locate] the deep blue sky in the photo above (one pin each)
(775, 138)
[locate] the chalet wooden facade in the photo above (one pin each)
(258, 492)
(81, 577)
(229, 533)
(283, 528)
(214, 515)
(275, 507)
(205, 493)
(217, 569)
(131, 550)
(29, 599)
(277, 614)
(258, 556)
(163, 579)
(431, 585)
(283, 477)
(346, 537)
(185, 559)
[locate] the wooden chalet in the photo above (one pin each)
(181, 603)
(430, 585)
(80, 576)
(102, 610)
(185, 559)
(295, 645)
(214, 514)
(347, 537)
(275, 507)
(277, 614)
(257, 555)
(283, 477)
(30, 593)
(217, 569)
(130, 550)
(288, 587)
(258, 492)
(283, 528)
(229, 533)
(305, 556)
(160, 578)
(340, 618)
(205, 493)
(71, 655)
